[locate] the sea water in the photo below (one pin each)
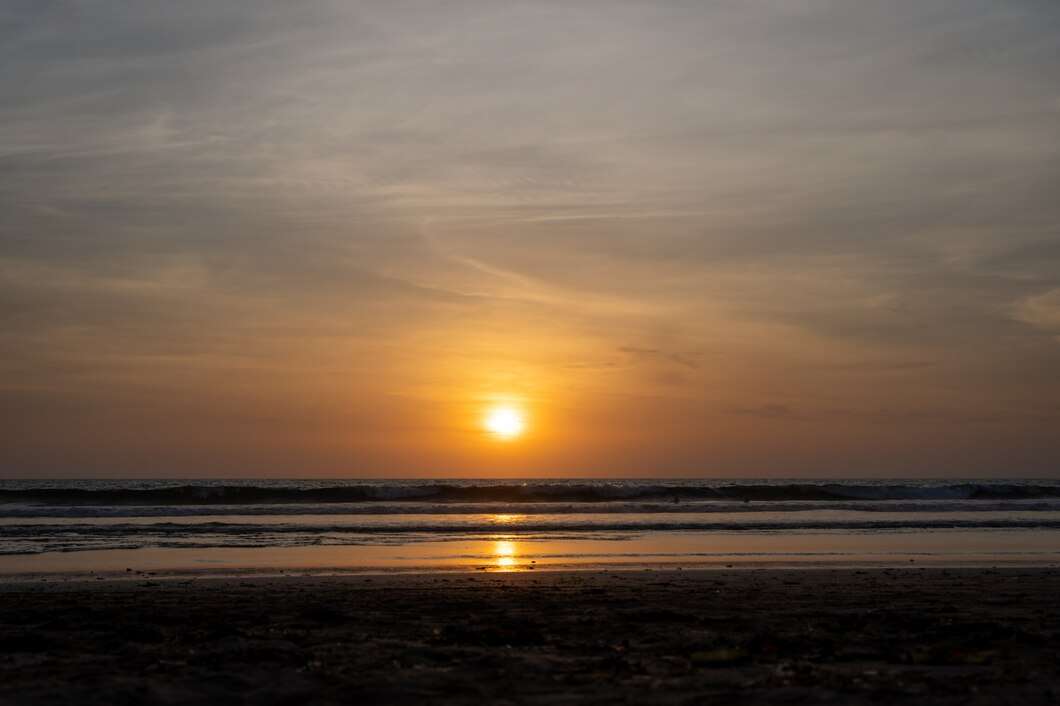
(108, 525)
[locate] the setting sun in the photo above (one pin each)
(504, 422)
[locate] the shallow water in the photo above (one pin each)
(524, 552)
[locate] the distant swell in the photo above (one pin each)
(191, 494)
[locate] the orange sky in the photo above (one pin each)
(724, 239)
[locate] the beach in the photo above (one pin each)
(808, 635)
(528, 353)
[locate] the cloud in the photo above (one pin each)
(685, 360)
(766, 411)
(714, 204)
(1041, 311)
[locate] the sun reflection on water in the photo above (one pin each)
(504, 552)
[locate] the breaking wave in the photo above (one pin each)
(530, 492)
(35, 539)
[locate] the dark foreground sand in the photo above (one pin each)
(968, 636)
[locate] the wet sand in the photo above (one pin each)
(923, 636)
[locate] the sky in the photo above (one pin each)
(731, 238)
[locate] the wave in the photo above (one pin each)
(36, 539)
(194, 494)
(174, 528)
(631, 507)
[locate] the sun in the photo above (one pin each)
(504, 422)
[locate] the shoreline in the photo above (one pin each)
(924, 635)
(511, 549)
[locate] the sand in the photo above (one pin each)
(931, 636)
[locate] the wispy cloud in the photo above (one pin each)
(713, 205)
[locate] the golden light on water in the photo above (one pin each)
(504, 551)
(504, 422)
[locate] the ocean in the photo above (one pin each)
(525, 524)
